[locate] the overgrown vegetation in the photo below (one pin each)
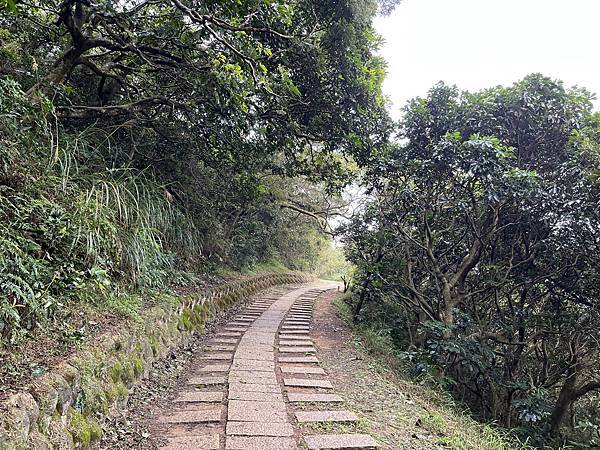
(143, 143)
(428, 407)
(479, 251)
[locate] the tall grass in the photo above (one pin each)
(148, 236)
(73, 224)
(126, 217)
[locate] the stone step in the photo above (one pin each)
(253, 369)
(200, 397)
(302, 369)
(241, 362)
(202, 442)
(194, 416)
(206, 381)
(260, 443)
(215, 368)
(325, 416)
(257, 356)
(340, 441)
(293, 349)
(220, 348)
(253, 378)
(304, 382)
(254, 411)
(237, 324)
(293, 337)
(298, 359)
(224, 340)
(216, 357)
(259, 429)
(316, 398)
(235, 387)
(256, 396)
(253, 346)
(295, 342)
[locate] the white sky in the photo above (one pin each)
(481, 43)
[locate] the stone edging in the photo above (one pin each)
(64, 408)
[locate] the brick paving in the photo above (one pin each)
(258, 385)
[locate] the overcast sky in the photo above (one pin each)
(480, 43)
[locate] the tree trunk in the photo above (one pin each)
(362, 296)
(565, 398)
(568, 395)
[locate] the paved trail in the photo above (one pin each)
(259, 381)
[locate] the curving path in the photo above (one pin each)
(260, 385)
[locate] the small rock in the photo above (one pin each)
(419, 436)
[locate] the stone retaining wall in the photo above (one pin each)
(64, 408)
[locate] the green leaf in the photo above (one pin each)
(9, 5)
(38, 372)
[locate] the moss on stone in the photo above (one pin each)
(101, 376)
(70, 374)
(185, 322)
(138, 366)
(95, 399)
(115, 372)
(59, 436)
(84, 430)
(115, 391)
(45, 395)
(123, 370)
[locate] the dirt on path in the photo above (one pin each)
(283, 370)
(375, 397)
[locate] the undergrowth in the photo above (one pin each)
(74, 231)
(435, 411)
(86, 228)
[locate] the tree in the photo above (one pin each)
(490, 215)
(153, 137)
(226, 82)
